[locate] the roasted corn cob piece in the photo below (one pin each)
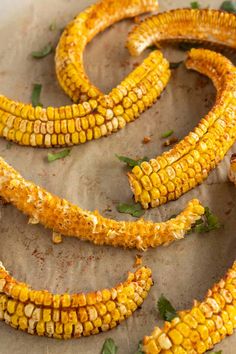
(232, 169)
(194, 25)
(197, 330)
(66, 316)
(180, 169)
(78, 123)
(78, 33)
(70, 220)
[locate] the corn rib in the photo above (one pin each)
(78, 123)
(197, 330)
(213, 27)
(79, 32)
(180, 169)
(66, 316)
(67, 219)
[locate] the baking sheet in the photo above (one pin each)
(93, 178)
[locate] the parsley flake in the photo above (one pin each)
(43, 52)
(228, 6)
(59, 155)
(195, 5)
(130, 162)
(167, 134)
(35, 98)
(135, 210)
(166, 310)
(109, 347)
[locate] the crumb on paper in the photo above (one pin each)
(138, 260)
(135, 65)
(171, 141)
(56, 237)
(146, 139)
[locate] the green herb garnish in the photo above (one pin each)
(135, 210)
(219, 352)
(131, 162)
(59, 155)
(52, 27)
(175, 65)
(167, 134)
(35, 98)
(43, 52)
(207, 223)
(195, 5)
(109, 347)
(140, 348)
(228, 6)
(166, 310)
(8, 145)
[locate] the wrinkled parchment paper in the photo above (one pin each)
(93, 178)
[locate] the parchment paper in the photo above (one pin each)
(93, 178)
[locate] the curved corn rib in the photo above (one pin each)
(232, 169)
(67, 316)
(78, 123)
(78, 33)
(70, 220)
(199, 329)
(193, 25)
(180, 169)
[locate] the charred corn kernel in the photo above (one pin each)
(192, 332)
(185, 160)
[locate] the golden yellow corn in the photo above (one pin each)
(97, 115)
(232, 169)
(186, 165)
(193, 25)
(76, 124)
(66, 316)
(67, 219)
(79, 32)
(197, 330)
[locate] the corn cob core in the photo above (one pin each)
(78, 123)
(232, 169)
(197, 330)
(66, 316)
(180, 169)
(79, 32)
(70, 220)
(194, 25)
